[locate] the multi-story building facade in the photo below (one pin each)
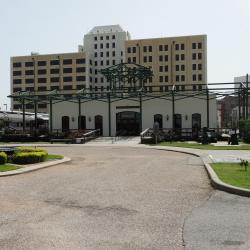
(44, 73)
(174, 61)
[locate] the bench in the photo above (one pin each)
(61, 140)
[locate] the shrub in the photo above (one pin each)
(29, 157)
(245, 130)
(3, 158)
(27, 150)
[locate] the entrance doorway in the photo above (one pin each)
(196, 125)
(65, 123)
(128, 123)
(99, 123)
(158, 118)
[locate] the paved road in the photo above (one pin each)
(107, 198)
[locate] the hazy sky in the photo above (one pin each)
(57, 26)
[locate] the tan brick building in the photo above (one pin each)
(175, 61)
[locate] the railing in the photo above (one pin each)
(147, 136)
(89, 136)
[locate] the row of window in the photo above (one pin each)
(52, 71)
(107, 54)
(52, 62)
(102, 37)
(162, 47)
(107, 45)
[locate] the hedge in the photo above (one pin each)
(26, 150)
(245, 130)
(29, 157)
(3, 158)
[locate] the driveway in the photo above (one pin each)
(106, 198)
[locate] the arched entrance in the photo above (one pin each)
(65, 123)
(99, 123)
(128, 123)
(196, 125)
(158, 118)
(82, 122)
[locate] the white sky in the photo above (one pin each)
(57, 26)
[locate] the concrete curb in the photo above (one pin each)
(34, 167)
(215, 181)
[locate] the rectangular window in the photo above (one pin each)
(183, 78)
(95, 54)
(113, 37)
(107, 37)
(41, 88)
(113, 53)
(96, 79)
(199, 66)
(41, 63)
(107, 45)
(54, 79)
(101, 62)
(150, 58)
(160, 58)
(17, 81)
(177, 46)
(42, 80)
(145, 59)
(182, 57)
(95, 46)
(113, 45)
(107, 54)
(200, 77)
(194, 87)
(166, 78)
(160, 48)
(161, 68)
(194, 77)
(95, 38)
(177, 67)
(17, 73)
(67, 87)
(17, 90)
(199, 45)
(54, 71)
(166, 47)
(129, 59)
(199, 56)
(29, 72)
(29, 80)
(107, 62)
(101, 45)
(145, 49)
(54, 62)
(200, 87)
(182, 67)
(166, 58)
(150, 48)
(134, 59)
(177, 57)
(80, 61)
(80, 69)
(67, 61)
(67, 79)
(177, 78)
(161, 79)
(166, 68)
(129, 50)
(67, 70)
(17, 65)
(134, 49)
(182, 46)
(161, 88)
(193, 45)
(193, 66)
(42, 71)
(101, 54)
(80, 78)
(113, 62)
(194, 56)
(29, 64)
(101, 37)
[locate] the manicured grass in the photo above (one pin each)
(204, 146)
(54, 157)
(7, 167)
(233, 174)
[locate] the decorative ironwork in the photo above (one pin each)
(126, 75)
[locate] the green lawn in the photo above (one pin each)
(233, 174)
(204, 146)
(54, 157)
(7, 167)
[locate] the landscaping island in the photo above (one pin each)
(23, 156)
